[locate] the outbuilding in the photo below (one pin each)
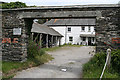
(46, 36)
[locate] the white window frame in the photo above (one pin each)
(68, 29)
(82, 28)
(89, 29)
(71, 38)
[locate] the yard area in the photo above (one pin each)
(10, 68)
(67, 63)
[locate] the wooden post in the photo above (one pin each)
(32, 36)
(51, 41)
(109, 57)
(40, 40)
(56, 41)
(59, 41)
(47, 41)
(107, 63)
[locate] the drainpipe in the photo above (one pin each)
(65, 34)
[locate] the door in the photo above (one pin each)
(89, 41)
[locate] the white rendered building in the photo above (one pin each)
(75, 31)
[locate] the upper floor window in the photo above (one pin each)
(83, 28)
(89, 29)
(69, 29)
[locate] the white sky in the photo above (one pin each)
(63, 2)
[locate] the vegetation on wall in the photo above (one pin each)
(41, 21)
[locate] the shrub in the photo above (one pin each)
(34, 50)
(115, 60)
(94, 67)
(99, 59)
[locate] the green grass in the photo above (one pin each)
(10, 68)
(94, 67)
(59, 47)
(51, 49)
(73, 45)
(91, 71)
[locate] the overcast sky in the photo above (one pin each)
(63, 2)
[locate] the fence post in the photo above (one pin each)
(107, 63)
(109, 59)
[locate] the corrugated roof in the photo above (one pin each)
(71, 22)
(38, 28)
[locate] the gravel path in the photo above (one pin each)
(67, 64)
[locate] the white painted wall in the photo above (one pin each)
(75, 33)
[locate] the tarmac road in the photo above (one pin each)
(67, 64)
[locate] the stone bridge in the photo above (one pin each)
(14, 42)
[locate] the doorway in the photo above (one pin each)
(89, 41)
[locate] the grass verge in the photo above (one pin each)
(94, 67)
(10, 68)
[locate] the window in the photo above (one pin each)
(69, 29)
(83, 28)
(70, 38)
(89, 28)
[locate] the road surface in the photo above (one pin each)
(67, 63)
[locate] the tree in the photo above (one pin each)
(12, 5)
(119, 2)
(41, 21)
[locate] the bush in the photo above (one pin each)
(34, 50)
(115, 60)
(99, 59)
(94, 67)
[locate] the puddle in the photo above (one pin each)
(64, 70)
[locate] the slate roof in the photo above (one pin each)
(70, 22)
(38, 28)
(66, 7)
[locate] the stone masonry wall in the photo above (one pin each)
(108, 30)
(14, 47)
